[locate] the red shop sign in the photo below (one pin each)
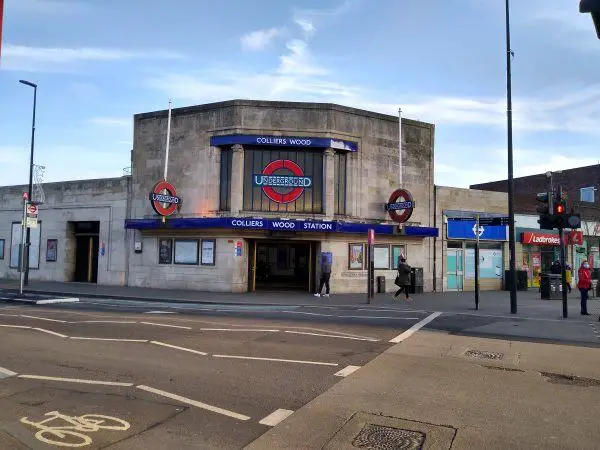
(533, 238)
(574, 238)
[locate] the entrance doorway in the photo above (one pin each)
(454, 272)
(87, 237)
(277, 265)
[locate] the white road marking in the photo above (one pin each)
(74, 380)
(276, 417)
(7, 373)
(57, 300)
(44, 318)
(106, 321)
(108, 339)
(16, 326)
(347, 371)
(50, 332)
(317, 363)
(308, 313)
(9, 315)
(165, 325)
(195, 403)
(393, 310)
(416, 327)
(335, 336)
(157, 312)
(178, 348)
(378, 317)
(239, 329)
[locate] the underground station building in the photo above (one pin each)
(256, 195)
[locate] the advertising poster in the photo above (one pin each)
(208, 252)
(536, 268)
(51, 247)
(490, 264)
(165, 251)
(357, 256)
(381, 257)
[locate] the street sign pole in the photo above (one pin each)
(477, 262)
(22, 253)
(563, 272)
(370, 265)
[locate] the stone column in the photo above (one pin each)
(328, 182)
(237, 178)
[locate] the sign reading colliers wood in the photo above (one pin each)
(163, 198)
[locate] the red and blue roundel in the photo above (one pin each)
(283, 181)
(163, 198)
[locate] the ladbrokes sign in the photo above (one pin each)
(532, 238)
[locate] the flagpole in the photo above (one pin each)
(168, 140)
(400, 147)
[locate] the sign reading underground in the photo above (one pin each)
(163, 203)
(400, 206)
(277, 183)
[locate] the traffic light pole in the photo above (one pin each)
(563, 272)
(477, 262)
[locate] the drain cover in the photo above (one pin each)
(569, 380)
(472, 353)
(377, 437)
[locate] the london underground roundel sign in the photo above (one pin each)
(400, 206)
(282, 181)
(163, 203)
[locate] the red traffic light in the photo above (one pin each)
(559, 208)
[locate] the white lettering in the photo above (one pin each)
(318, 226)
(300, 141)
(546, 240)
(247, 223)
(288, 225)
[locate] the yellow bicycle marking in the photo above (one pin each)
(73, 434)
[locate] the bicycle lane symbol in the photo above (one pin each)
(72, 431)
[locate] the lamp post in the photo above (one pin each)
(28, 232)
(512, 273)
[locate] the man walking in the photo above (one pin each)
(325, 276)
(403, 279)
(584, 284)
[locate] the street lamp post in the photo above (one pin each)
(28, 232)
(512, 273)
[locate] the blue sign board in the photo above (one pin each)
(464, 229)
(249, 223)
(284, 141)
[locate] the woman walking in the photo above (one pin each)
(584, 284)
(403, 279)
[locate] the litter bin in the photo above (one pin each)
(416, 280)
(381, 285)
(521, 280)
(550, 286)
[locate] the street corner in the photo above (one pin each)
(366, 430)
(45, 417)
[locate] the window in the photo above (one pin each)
(356, 256)
(165, 251)
(186, 251)
(225, 185)
(1, 248)
(587, 194)
(208, 252)
(381, 257)
(34, 249)
(397, 251)
(339, 183)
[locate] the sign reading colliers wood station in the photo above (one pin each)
(163, 198)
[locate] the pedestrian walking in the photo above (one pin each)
(556, 268)
(325, 277)
(569, 276)
(403, 279)
(584, 284)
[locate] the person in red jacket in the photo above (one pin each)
(584, 284)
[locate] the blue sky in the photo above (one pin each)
(98, 62)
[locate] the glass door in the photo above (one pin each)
(454, 272)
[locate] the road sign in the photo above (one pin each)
(490, 221)
(371, 236)
(25, 196)
(31, 222)
(32, 210)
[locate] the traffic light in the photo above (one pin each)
(593, 7)
(546, 220)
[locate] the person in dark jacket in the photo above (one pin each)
(403, 279)
(325, 276)
(584, 284)
(556, 268)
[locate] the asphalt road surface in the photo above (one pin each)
(134, 375)
(98, 376)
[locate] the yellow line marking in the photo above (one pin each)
(196, 403)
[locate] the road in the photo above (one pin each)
(199, 376)
(181, 380)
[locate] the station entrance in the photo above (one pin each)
(281, 265)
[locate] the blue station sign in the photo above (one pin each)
(284, 141)
(467, 229)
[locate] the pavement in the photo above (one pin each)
(123, 374)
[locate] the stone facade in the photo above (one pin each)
(103, 201)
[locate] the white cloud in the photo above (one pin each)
(306, 25)
(299, 61)
(22, 57)
(260, 39)
(112, 121)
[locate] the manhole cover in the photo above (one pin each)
(569, 380)
(483, 355)
(376, 437)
